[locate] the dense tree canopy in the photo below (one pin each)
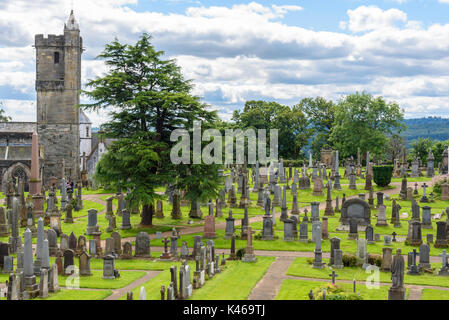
(321, 117)
(290, 121)
(150, 99)
(365, 122)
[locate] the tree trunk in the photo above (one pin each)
(147, 215)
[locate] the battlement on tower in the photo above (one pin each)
(50, 41)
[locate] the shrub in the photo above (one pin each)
(295, 163)
(382, 175)
(437, 186)
(375, 259)
(334, 292)
(349, 260)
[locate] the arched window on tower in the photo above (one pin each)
(56, 57)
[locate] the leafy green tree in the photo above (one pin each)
(420, 148)
(321, 116)
(365, 122)
(150, 99)
(290, 122)
(3, 117)
(438, 149)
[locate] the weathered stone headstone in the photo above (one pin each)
(142, 245)
(69, 261)
(84, 264)
(91, 221)
(387, 259)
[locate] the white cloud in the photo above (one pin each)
(243, 52)
(367, 18)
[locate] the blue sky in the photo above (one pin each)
(236, 51)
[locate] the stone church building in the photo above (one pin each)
(64, 131)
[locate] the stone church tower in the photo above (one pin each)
(58, 85)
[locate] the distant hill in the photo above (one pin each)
(431, 127)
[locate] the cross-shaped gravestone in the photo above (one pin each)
(333, 275)
(394, 234)
(444, 257)
(166, 242)
(249, 235)
(424, 186)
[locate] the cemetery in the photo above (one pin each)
(318, 241)
(343, 209)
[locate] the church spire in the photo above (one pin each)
(71, 23)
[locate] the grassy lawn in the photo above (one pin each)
(221, 287)
(96, 281)
(77, 295)
(301, 268)
(434, 294)
(299, 289)
(153, 286)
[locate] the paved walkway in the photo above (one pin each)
(268, 287)
(117, 294)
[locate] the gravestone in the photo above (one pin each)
(353, 234)
(369, 234)
(303, 232)
(52, 238)
(127, 251)
(416, 237)
(64, 242)
(424, 256)
(267, 228)
(93, 247)
(53, 282)
(92, 221)
(72, 241)
(325, 229)
(4, 227)
(441, 239)
(426, 217)
(356, 209)
(229, 231)
(315, 211)
(81, 245)
(335, 244)
(43, 284)
(69, 261)
(380, 199)
(444, 270)
(142, 245)
(338, 259)
(381, 216)
(109, 271)
(318, 254)
(387, 259)
(117, 242)
(362, 254)
(84, 264)
(288, 230)
(209, 227)
(126, 220)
